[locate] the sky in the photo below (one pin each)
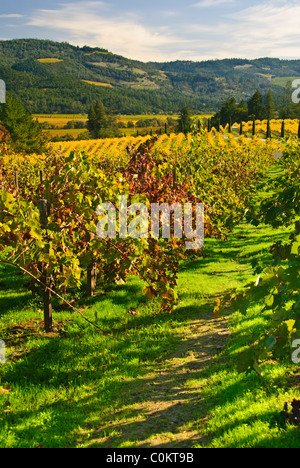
(161, 30)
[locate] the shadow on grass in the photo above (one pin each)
(111, 374)
(12, 280)
(118, 294)
(136, 410)
(97, 393)
(150, 390)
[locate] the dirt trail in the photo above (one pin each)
(165, 408)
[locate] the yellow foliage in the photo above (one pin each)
(173, 145)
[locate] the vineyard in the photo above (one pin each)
(100, 322)
(169, 143)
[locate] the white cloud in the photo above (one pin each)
(269, 28)
(86, 23)
(12, 15)
(211, 3)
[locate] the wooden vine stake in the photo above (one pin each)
(45, 279)
(91, 274)
(91, 279)
(48, 322)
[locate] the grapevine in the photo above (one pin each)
(65, 245)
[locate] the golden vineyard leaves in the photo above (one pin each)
(172, 144)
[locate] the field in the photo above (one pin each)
(282, 81)
(98, 83)
(49, 60)
(174, 143)
(59, 121)
(171, 348)
(170, 145)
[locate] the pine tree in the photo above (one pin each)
(269, 107)
(92, 122)
(25, 132)
(101, 116)
(241, 128)
(287, 109)
(255, 107)
(101, 125)
(185, 120)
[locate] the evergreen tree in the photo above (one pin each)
(228, 111)
(269, 107)
(231, 111)
(185, 120)
(101, 125)
(25, 132)
(242, 112)
(255, 107)
(287, 109)
(92, 125)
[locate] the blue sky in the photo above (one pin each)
(161, 30)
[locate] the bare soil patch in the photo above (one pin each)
(166, 408)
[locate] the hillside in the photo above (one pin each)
(52, 77)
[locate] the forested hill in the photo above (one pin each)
(52, 77)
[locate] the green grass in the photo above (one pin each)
(282, 81)
(168, 381)
(67, 131)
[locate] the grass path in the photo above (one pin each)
(162, 410)
(170, 405)
(173, 381)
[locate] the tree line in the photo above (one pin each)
(25, 134)
(258, 108)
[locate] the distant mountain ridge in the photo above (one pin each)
(53, 77)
